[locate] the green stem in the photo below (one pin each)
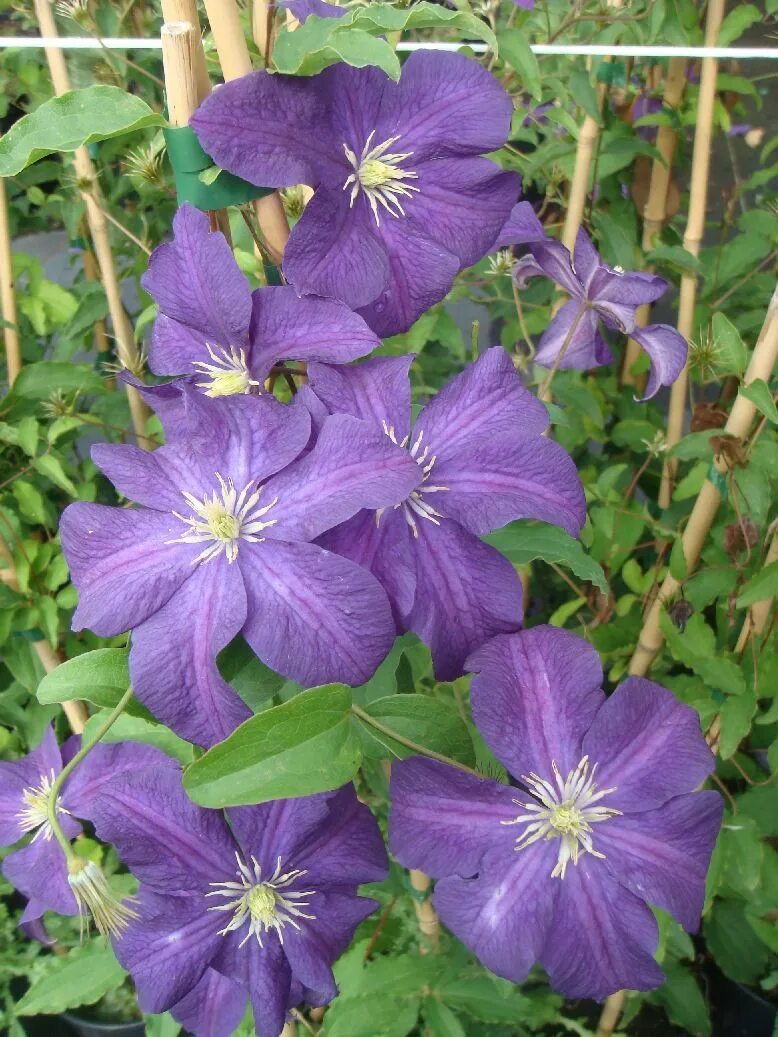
(545, 393)
(413, 746)
(62, 777)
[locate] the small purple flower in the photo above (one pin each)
(302, 9)
(644, 104)
(560, 869)
(482, 461)
(403, 200)
(211, 326)
(597, 293)
(260, 907)
(221, 546)
(39, 870)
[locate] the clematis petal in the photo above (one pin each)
(40, 872)
(213, 1008)
(521, 227)
(103, 763)
(602, 938)
(377, 390)
(27, 773)
(420, 273)
(555, 261)
(586, 259)
(662, 855)
(648, 745)
(196, 282)
(173, 653)
(168, 843)
(333, 251)
(347, 849)
(502, 915)
(667, 350)
(276, 829)
(272, 130)
(311, 951)
(123, 563)
(466, 592)
(313, 616)
(286, 327)
(585, 347)
(167, 948)
(446, 822)
(617, 295)
(484, 402)
(463, 203)
(264, 973)
(498, 480)
(445, 105)
(534, 697)
(354, 465)
(175, 347)
(382, 545)
(139, 475)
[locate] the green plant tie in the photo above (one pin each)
(718, 479)
(189, 161)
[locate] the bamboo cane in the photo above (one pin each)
(236, 62)
(611, 1012)
(429, 923)
(13, 353)
(704, 511)
(759, 612)
(98, 228)
(92, 273)
(262, 27)
(655, 211)
(693, 237)
(76, 712)
(186, 11)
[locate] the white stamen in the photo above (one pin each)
(260, 902)
(414, 503)
(378, 173)
(228, 374)
(567, 811)
(34, 815)
(224, 519)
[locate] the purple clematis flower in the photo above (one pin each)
(39, 870)
(211, 326)
(597, 293)
(403, 200)
(261, 907)
(221, 546)
(561, 869)
(482, 461)
(302, 9)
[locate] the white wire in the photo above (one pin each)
(573, 49)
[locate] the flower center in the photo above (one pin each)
(264, 904)
(414, 506)
(224, 519)
(34, 815)
(228, 372)
(566, 812)
(379, 174)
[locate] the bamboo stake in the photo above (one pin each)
(429, 923)
(98, 228)
(92, 273)
(704, 511)
(186, 11)
(262, 27)
(236, 62)
(179, 50)
(695, 228)
(76, 712)
(655, 212)
(611, 1013)
(759, 613)
(13, 353)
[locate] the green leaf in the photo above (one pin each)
(130, 728)
(524, 541)
(28, 435)
(429, 722)
(76, 118)
(731, 352)
(51, 467)
(440, 1020)
(38, 381)
(30, 501)
(735, 717)
(682, 999)
(678, 566)
(516, 51)
(758, 392)
(582, 91)
(79, 977)
(737, 949)
(304, 746)
(760, 587)
(676, 257)
(101, 677)
(736, 22)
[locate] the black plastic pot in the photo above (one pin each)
(95, 1028)
(742, 1012)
